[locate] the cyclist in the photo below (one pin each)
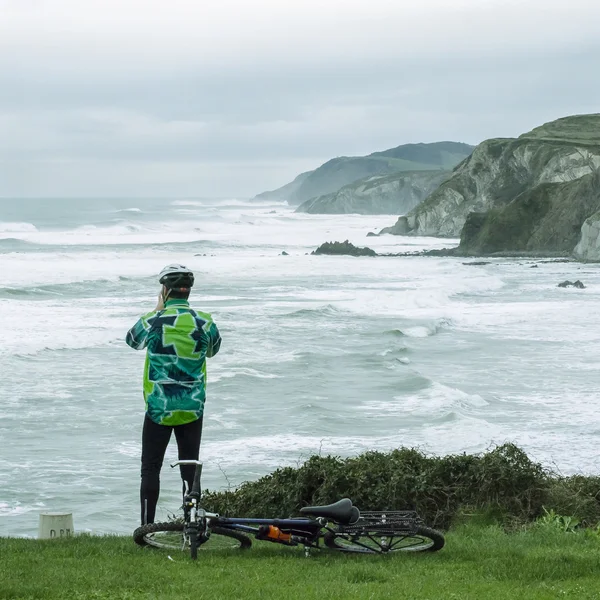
(178, 340)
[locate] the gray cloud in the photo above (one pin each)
(91, 108)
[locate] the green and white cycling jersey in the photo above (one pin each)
(178, 341)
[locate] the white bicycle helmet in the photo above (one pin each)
(176, 277)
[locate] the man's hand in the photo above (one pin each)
(160, 305)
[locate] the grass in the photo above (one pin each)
(581, 129)
(478, 562)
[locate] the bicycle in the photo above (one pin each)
(340, 527)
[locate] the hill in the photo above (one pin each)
(339, 172)
(392, 194)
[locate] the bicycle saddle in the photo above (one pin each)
(341, 511)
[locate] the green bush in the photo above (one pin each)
(503, 482)
(577, 496)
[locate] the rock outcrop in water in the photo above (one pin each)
(576, 284)
(381, 194)
(532, 193)
(344, 248)
(339, 172)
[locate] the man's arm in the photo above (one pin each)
(214, 339)
(137, 336)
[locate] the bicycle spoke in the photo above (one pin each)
(174, 540)
(383, 539)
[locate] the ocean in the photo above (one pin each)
(320, 354)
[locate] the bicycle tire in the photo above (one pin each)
(141, 535)
(193, 536)
(365, 542)
(174, 540)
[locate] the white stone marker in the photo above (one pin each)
(55, 525)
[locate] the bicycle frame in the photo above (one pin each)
(305, 531)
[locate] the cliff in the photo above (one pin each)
(391, 194)
(588, 247)
(539, 172)
(547, 218)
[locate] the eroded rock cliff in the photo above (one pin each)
(385, 194)
(528, 170)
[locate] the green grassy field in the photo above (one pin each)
(477, 562)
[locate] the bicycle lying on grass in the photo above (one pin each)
(340, 526)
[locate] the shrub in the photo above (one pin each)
(503, 482)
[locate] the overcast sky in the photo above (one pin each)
(231, 97)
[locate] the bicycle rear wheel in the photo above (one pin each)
(170, 536)
(374, 540)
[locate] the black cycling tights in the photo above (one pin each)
(155, 439)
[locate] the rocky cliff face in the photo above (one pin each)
(501, 170)
(385, 194)
(588, 247)
(547, 218)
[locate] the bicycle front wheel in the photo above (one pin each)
(170, 536)
(161, 535)
(221, 538)
(375, 541)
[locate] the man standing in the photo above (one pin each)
(178, 340)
